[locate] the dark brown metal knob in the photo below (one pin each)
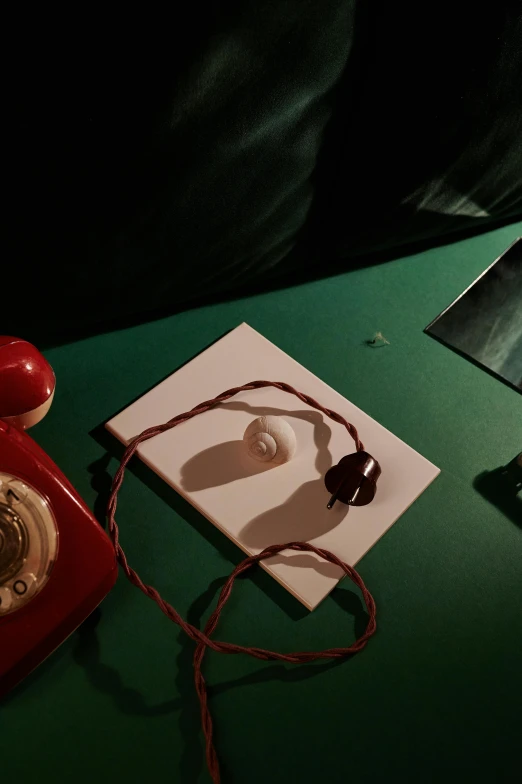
(353, 480)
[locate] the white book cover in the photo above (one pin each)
(256, 504)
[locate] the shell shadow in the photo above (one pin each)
(303, 516)
(219, 465)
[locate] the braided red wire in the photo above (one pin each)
(203, 639)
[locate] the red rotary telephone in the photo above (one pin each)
(56, 562)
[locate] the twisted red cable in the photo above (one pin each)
(203, 639)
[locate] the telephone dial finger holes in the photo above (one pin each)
(28, 543)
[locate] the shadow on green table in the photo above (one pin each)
(106, 679)
(502, 488)
(84, 645)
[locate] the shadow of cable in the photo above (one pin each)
(193, 758)
(129, 700)
(101, 483)
(106, 679)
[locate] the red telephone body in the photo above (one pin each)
(41, 609)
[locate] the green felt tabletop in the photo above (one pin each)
(437, 693)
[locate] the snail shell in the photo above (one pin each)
(270, 439)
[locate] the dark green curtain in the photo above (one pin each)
(155, 160)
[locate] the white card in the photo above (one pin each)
(252, 503)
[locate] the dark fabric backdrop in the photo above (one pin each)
(157, 160)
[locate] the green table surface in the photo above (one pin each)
(437, 693)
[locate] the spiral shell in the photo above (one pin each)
(270, 439)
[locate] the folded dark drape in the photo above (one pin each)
(153, 161)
